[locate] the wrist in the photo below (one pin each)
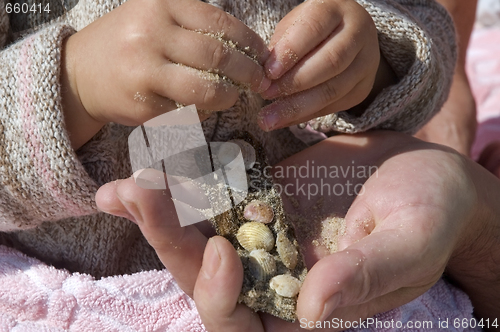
(475, 263)
(384, 78)
(81, 127)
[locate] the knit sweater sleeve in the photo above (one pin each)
(417, 38)
(41, 177)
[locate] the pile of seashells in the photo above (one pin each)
(274, 268)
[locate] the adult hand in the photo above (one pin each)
(455, 124)
(414, 213)
(324, 59)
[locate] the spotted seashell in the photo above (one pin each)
(261, 264)
(287, 251)
(227, 153)
(255, 235)
(259, 211)
(285, 285)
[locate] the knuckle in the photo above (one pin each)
(333, 59)
(220, 56)
(222, 20)
(315, 26)
(209, 96)
(297, 84)
(328, 93)
(219, 96)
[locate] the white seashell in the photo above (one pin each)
(255, 235)
(227, 153)
(261, 264)
(259, 211)
(287, 251)
(285, 285)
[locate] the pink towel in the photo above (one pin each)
(483, 69)
(37, 297)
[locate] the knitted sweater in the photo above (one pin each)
(47, 207)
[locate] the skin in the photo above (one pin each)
(325, 58)
(121, 67)
(455, 124)
(447, 220)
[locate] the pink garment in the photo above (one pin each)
(37, 297)
(483, 70)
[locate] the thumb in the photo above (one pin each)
(218, 287)
(380, 264)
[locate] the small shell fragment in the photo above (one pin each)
(287, 251)
(259, 211)
(262, 264)
(227, 153)
(255, 235)
(285, 285)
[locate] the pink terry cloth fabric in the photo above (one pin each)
(483, 70)
(37, 297)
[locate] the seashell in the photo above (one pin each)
(261, 264)
(227, 153)
(287, 251)
(255, 235)
(259, 211)
(285, 285)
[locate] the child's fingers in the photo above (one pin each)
(198, 16)
(283, 25)
(179, 248)
(316, 21)
(329, 59)
(215, 56)
(218, 287)
(337, 94)
(188, 86)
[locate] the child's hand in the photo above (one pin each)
(124, 67)
(324, 59)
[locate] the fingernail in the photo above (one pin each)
(268, 119)
(123, 214)
(275, 69)
(264, 84)
(132, 210)
(330, 305)
(211, 260)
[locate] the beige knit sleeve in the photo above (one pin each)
(41, 177)
(417, 37)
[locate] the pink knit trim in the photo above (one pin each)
(32, 134)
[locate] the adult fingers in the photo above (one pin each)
(379, 264)
(312, 23)
(218, 287)
(216, 56)
(179, 248)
